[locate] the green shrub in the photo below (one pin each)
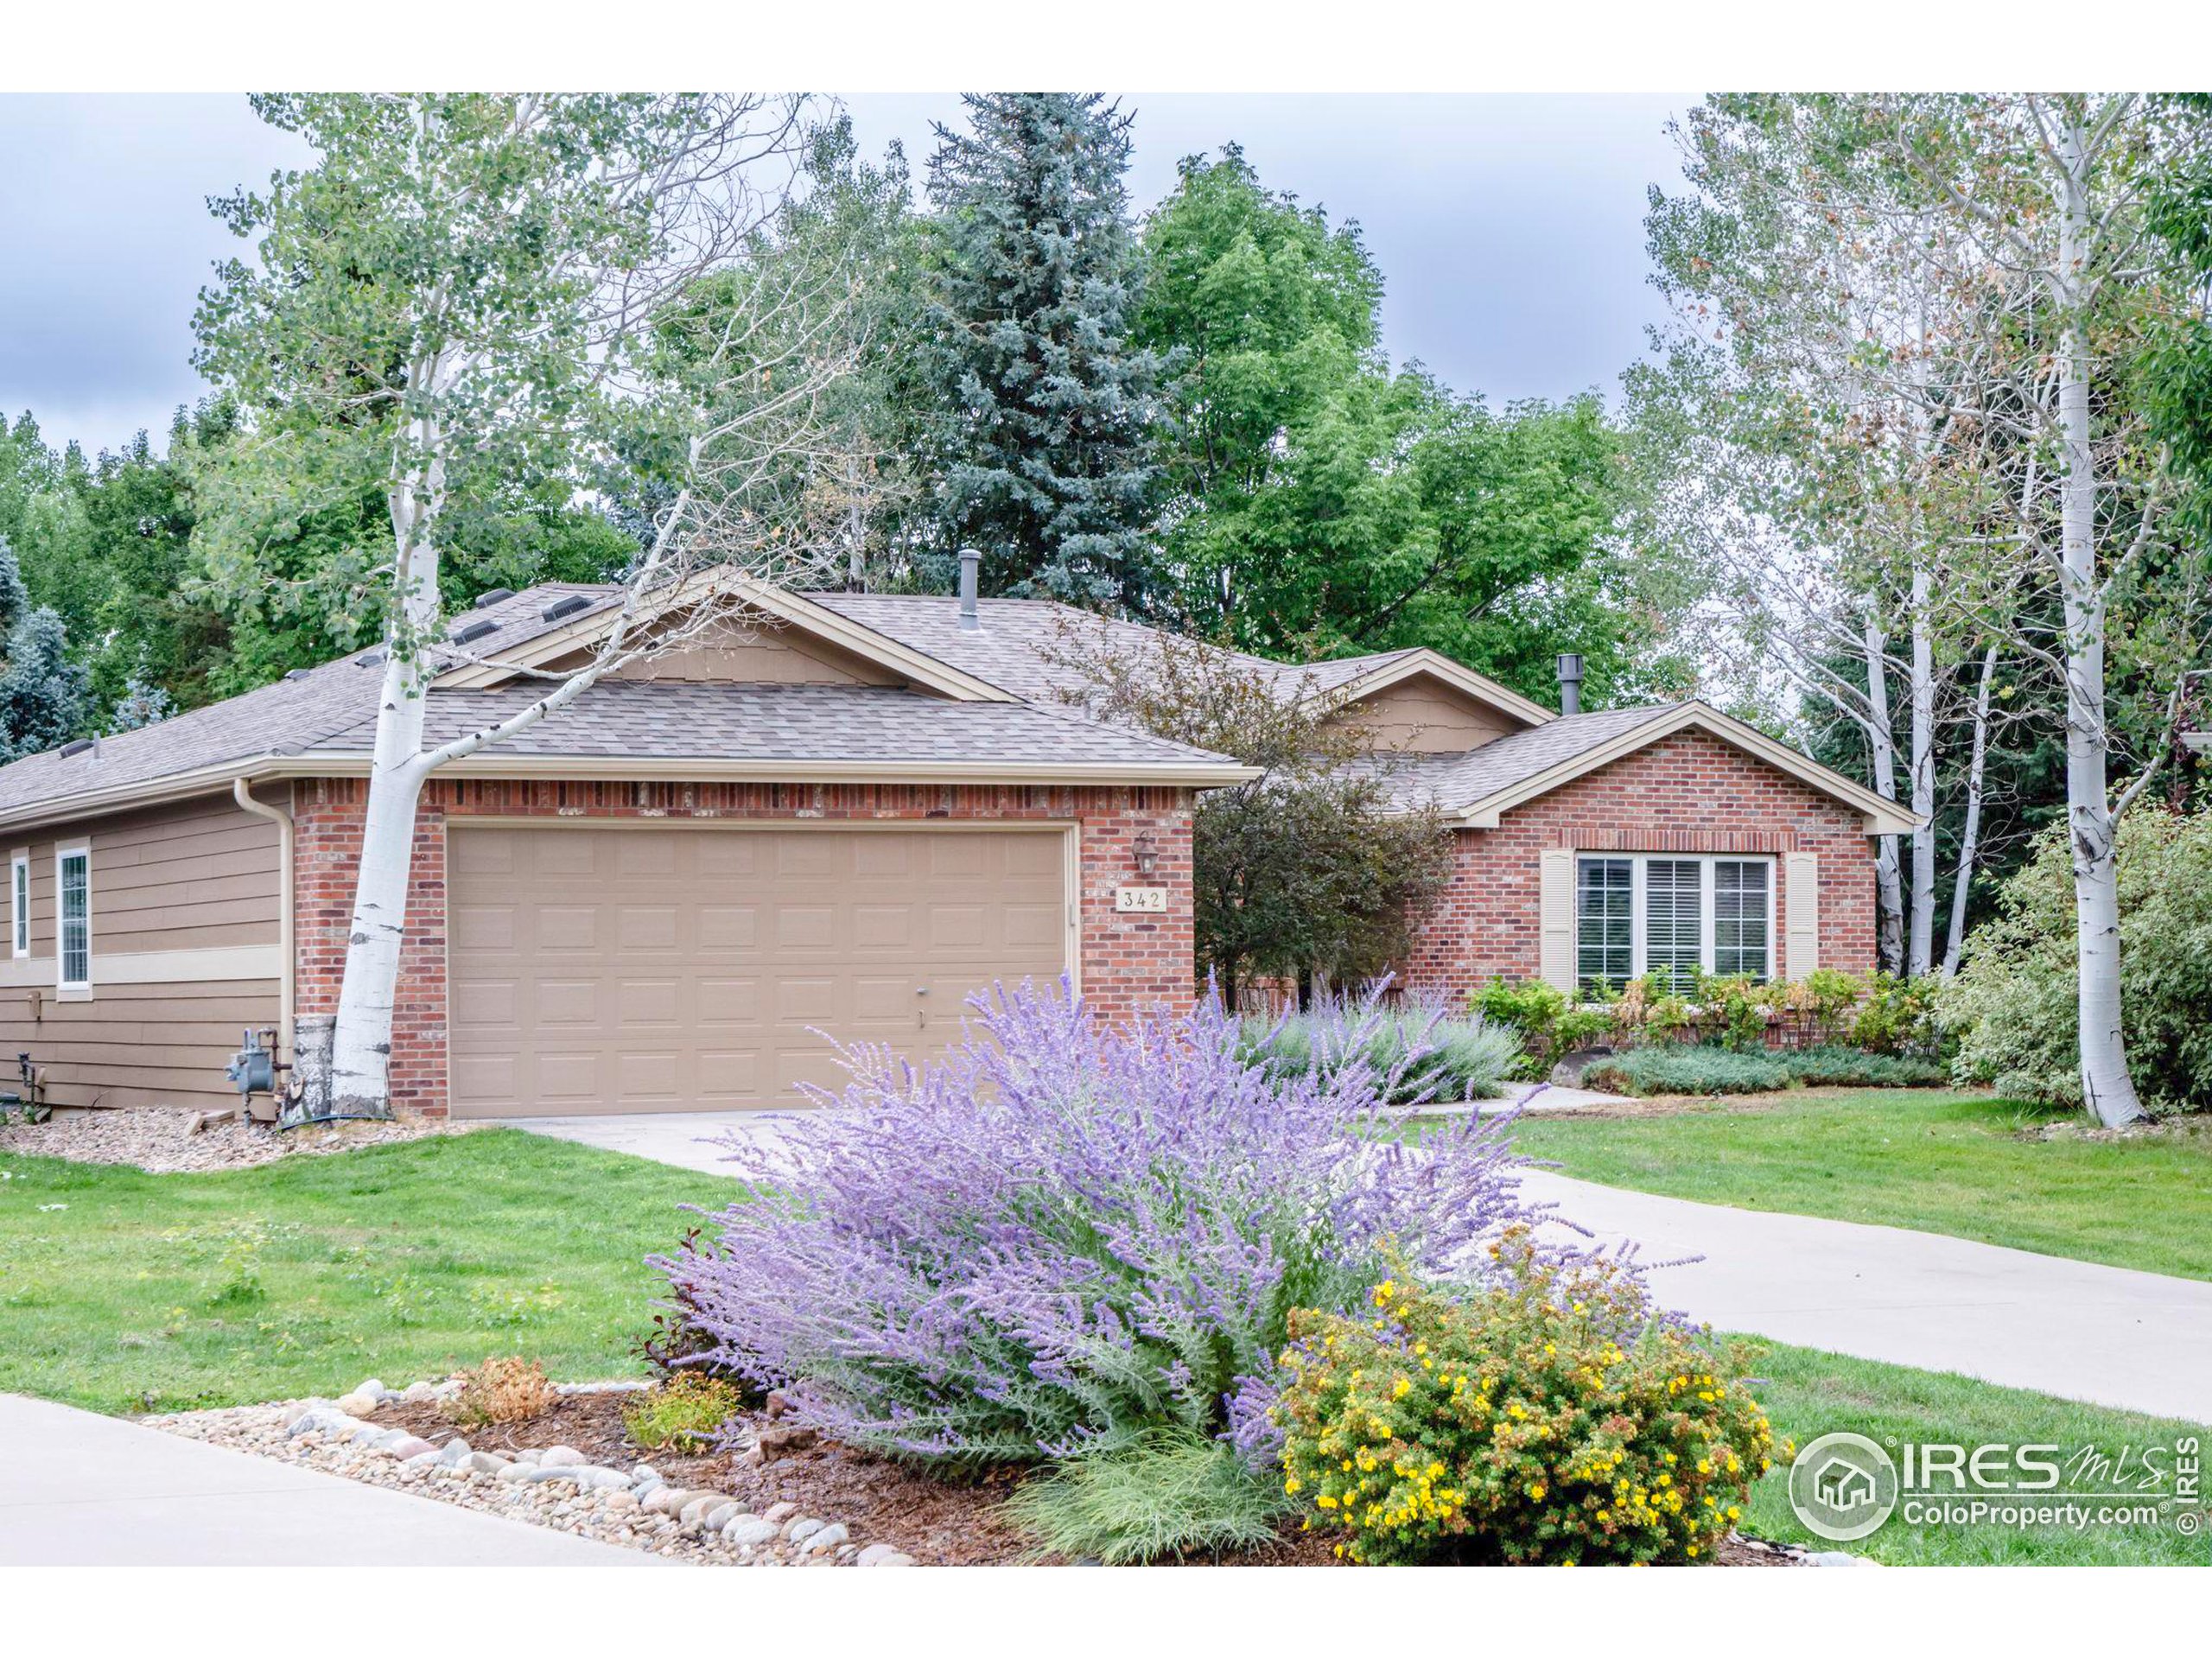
(690, 1406)
(1832, 1066)
(1460, 1060)
(1552, 1422)
(2012, 1006)
(1173, 1492)
(1549, 1026)
(1688, 1068)
(1899, 1016)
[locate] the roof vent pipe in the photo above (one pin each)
(971, 565)
(1570, 682)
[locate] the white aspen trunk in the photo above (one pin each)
(360, 1070)
(2106, 1089)
(1883, 759)
(1970, 832)
(1921, 941)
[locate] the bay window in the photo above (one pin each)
(1642, 912)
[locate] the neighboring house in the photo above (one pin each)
(847, 818)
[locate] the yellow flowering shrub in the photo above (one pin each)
(1552, 1422)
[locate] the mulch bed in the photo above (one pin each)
(938, 1522)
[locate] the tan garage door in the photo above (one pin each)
(665, 968)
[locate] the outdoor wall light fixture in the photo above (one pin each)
(1144, 855)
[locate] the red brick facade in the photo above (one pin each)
(1128, 963)
(1689, 793)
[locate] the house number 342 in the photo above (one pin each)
(1140, 901)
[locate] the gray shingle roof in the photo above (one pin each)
(692, 720)
(332, 709)
(1023, 644)
(1454, 781)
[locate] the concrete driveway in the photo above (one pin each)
(2140, 1341)
(77, 1488)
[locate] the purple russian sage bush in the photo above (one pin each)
(1062, 1237)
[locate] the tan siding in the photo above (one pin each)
(1425, 717)
(185, 876)
(137, 1045)
(762, 656)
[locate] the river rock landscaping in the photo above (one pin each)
(685, 1508)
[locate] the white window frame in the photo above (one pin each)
(62, 857)
(1639, 959)
(19, 902)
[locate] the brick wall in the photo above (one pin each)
(1686, 793)
(1128, 963)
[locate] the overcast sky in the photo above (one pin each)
(1509, 229)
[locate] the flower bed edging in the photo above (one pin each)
(548, 1486)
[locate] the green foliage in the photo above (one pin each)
(1688, 1068)
(1036, 422)
(1459, 1060)
(1897, 1016)
(1306, 870)
(1549, 1422)
(687, 1407)
(44, 696)
(1550, 1026)
(1169, 1493)
(2012, 1006)
(1707, 1069)
(1321, 502)
(1833, 1066)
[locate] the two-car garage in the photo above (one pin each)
(646, 965)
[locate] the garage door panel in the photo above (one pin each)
(729, 927)
(484, 927)
(729, 1075)
(651, 1004)
(565, 927)
(728, 1001)
(567, 1002)
(883, 926)
(880, 1001)
(650, 1077)
(806, 927)
(574, 1075)
(559, 855)
(483, 1002)
(590, 966)
(644, 855)
(1030, 928)
(801, 1001)
(646, 927)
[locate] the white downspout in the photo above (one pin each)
(282, 819)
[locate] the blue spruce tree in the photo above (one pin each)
(43, 696)
(1041, 403)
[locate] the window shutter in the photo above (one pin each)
(1556, 918)
(1800, 891)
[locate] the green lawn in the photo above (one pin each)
(1927, 1158)
(1807, 1394)
(128, 1292)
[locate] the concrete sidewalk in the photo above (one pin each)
(77, 1488)
(2141, 1341)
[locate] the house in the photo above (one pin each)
(836, 812)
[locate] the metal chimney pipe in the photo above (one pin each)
(971, 565)
(1570, 682)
